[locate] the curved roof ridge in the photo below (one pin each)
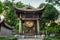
(28, 9)
(8, 26)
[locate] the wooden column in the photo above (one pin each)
(20, 25)
(38, 30)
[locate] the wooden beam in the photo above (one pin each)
(30, 18)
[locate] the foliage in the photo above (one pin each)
(58, 32)
(9, 13)
(54, 2)
(1, 7)
(53, 38)
(53, 28)
(7, 38)
(49, 16)
(10, 16)
(50, 12)
(20, 4)
(41, 5)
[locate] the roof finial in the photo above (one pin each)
(28, 7)
(29, 2)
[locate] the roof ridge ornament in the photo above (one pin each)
(29, 2)
(29, 6)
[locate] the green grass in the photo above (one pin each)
(7, 38)
(53, 38)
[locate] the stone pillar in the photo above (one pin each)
(20, 25)
(38, 30)
(20, 28)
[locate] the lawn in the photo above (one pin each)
(7, 38)
(53, 38)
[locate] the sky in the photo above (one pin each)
(34, 3)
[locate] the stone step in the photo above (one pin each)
(30, 39)
(26, 37)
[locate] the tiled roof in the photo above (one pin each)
(3, 24)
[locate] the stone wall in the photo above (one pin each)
(5, 32)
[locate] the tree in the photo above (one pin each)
(41, 5)
(49, 15)
(53, 28)
(7, 4)
(10, 15)
(1, 7)
(20, 4)
(55, 2)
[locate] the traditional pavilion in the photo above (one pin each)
(29, 18)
